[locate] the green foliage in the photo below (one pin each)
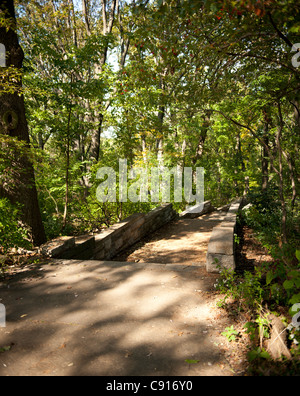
(265, 216)
(248, 290)
(275, 284)
(197, 86)
(258, 353)
(192, 361)
(174, 83)
(230, 333)
(265, 202)
(12, 233)
(251, 330)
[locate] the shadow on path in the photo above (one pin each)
(106, 318)
(181, 241)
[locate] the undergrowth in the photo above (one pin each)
(269, 288)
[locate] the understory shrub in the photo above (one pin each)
(12, 232)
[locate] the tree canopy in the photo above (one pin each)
(212, 84)
(139, 90)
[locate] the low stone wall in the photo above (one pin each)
(80, 248)
(198, 210)
(221, 247)
(112, 241)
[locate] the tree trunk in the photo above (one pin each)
(265, 165)
(108, 19)
(159, 140)
(19, 186)
(281, 180)
(96, 139)
(265, 151)
(67, 171)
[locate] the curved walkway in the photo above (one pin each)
(182, 241)
(107, 318)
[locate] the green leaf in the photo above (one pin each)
(288, 284)
(230, 333)
(295, 299)
(270, 277)
(258, 353)
(253, 355)
(264, 355)
(297, 282)
(298, 255)
(5, 349)
(191, 361)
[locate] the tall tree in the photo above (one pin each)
(19, 184)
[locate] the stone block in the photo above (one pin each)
(119, 244)
(99, 255)
(228, 223)
(83, 244)
(197, 210)
(85, 241)
(58, 246)
(103, 240)
(215, 262)
(222, 241)
(137, 223)
(221, 247)
(84, 255)
(230, 218)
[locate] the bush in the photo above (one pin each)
(264, 216)
(272, 286)
(12, 232)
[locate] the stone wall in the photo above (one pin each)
(221, 247)
(198, 210)
(113, 240)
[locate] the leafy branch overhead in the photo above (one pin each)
(209, 84)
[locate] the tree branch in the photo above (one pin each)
(280, 34)
(261, 141)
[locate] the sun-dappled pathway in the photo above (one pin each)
(182, 241)
(111, 318)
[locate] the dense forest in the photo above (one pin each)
(183, 83)
(173, 83)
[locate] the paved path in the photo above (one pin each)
(182, 241)
(112, 318)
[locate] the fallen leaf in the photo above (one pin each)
(5, 349)
(191, 361)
